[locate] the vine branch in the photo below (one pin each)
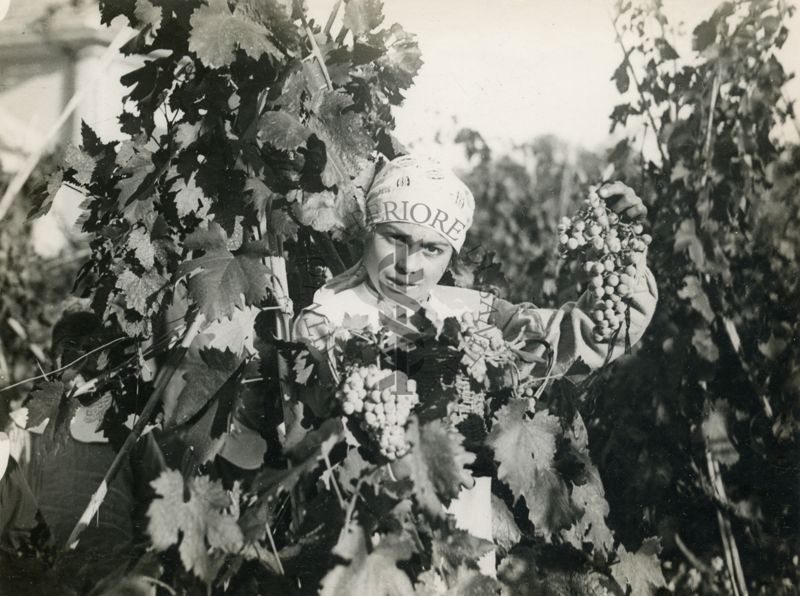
(161, 382)
(635, 78)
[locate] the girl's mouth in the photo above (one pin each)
(399, 283)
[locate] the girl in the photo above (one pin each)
(418, 215)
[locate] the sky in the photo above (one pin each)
(513, 69)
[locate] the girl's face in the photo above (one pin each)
(406, 260)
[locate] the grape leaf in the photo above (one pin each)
(235, 333)
(260, 196)
(436, 464)
(400, 63)
(208, 433)
(621, 78)
(282, 225)
(294, 89)
(693, 291)
(350, 470)
(138, 291)
(505, 531)
(43, 196)
(591, 527)
(453, 547)
(303, 367)
(204, 373)
(43, 401)
(704, 343)
(362, 16)
(216, 33)
(319, 211)
(704, 35)
(375, 573)
(304, 455)
(82, 163)
(686, 239)
(186, 133)
(189, 197)
(201, 523)
(148, 15)
(641, 571)
(346, 141)
(464, 582)
(141, 245)
(220, 281)
(525, 450)
(136, 162)
(665, 49)
(282, 130)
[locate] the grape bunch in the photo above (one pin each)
(611, 252)
(487, 340)
(377, 398)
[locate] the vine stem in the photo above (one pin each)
(333, 480)
(635, 78)
(351, 505)
(271, 539)
(64, 367)
(732, 560)
(332, 17)
(727, 324)
(691, 557)
(160, 385)
(315, 50)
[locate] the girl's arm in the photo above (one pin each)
(568, 330)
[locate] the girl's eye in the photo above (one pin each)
(433, 249)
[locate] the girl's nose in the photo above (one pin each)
(408, 261)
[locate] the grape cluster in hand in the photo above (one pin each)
(376, 397)
(488, 339)
(612, 252)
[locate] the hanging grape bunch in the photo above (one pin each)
(381, 400)
(612, 252)
(485, 345)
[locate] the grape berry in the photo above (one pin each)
(611, 252)
(377, 398)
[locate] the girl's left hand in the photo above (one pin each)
(623, 201)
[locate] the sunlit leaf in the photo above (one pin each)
(217, 32)
(201, 523)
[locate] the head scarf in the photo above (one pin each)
(420, 191)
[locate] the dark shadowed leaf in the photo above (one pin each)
(666, 51)
(621, 78)
(704, 35)
(205, 373)
(43, 402)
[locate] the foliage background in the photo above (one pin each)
(716, 379)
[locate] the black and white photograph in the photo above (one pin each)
(399, 298)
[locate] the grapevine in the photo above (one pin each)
(612, 252)
(382, 399)
(484, 345)
(272, 127)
